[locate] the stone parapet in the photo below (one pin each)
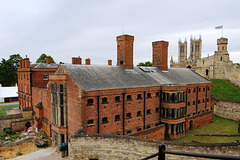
(98, 146)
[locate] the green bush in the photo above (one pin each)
(8, 132)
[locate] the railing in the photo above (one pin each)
(162, 152)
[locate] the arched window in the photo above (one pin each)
(221, 58)
(206, 72)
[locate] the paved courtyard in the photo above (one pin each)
(42, 154)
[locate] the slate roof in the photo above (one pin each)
(91, 77)
(175, 76)
(44, 65)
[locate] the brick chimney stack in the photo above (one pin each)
(23, 63)
(27, 63)
(48, 60)
(109, 62)
(87, 61)
(160, 55)
(125, 51)
(76, 60)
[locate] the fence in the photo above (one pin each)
(162, 152)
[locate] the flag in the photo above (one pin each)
(219, 27)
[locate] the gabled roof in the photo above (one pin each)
(91, 77)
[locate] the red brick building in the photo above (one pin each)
(121, 99)
(31, 79)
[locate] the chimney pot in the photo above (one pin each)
(87, 61)
(48, 60)
(76, 60)
(109, 62)
(73, 60)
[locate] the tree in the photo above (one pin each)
(8, 70)
(42, 59)
(145, 64)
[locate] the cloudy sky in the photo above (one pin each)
(70, 28)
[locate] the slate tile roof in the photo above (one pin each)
(44, 65)
(91, 77)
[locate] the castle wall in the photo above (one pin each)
(227, 109)
(232, 73)
(103, 147)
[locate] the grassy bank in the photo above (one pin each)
(217, 126)
(1, 107)
(223, 89)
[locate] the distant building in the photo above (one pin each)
(120, 99)
(195, 54)
(215, 66)
(31, 77)
(8, 94)
(219, 65)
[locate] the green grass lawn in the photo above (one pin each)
(223, 89)
(217, 126)
(1, 107)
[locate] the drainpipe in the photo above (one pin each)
(186, 101)
(197, 102)
(98, 123)
(144, 108)
(206, 99)
(160, 107)
(123, 113)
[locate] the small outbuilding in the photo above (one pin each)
(8, 94)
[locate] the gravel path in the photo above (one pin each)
(42, 154)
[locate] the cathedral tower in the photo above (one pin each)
(182, 52)
(196, 49)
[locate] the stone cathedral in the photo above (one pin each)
(195, 54)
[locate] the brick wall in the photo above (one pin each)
(132, 104)
(199, 120)
(152, 133)
(24, 87)
(37, 77)
(74, 107)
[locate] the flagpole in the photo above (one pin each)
(222, 31)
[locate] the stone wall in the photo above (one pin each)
(227, 109)
(17, 121)
(104, 147)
